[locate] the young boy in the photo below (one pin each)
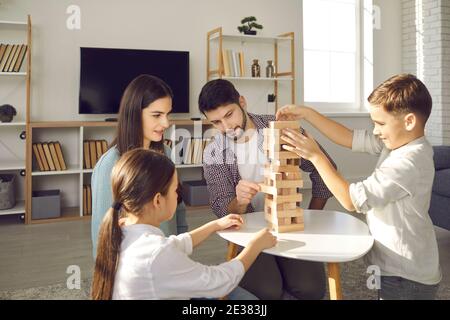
(396, 197)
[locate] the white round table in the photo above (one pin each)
(329, 236)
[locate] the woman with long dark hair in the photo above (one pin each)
(143, 118)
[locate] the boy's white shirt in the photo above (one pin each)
(396, 199)
(152, 266)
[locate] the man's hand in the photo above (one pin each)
(245, 191)
(291, 112)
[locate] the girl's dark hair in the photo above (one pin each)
(139, 94)
(217, 93)
(136, 178)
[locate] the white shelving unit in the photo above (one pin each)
(73, 133)
(217, 40)
(12, 149)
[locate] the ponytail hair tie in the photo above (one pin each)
(116, 206)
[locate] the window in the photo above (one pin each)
(332, 53)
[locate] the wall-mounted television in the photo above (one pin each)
(105, 73)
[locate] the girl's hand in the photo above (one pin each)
(291, 112)
(303, 145)
(233, 221)
(264, 239)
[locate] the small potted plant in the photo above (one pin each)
(7, 112)
(248, 23)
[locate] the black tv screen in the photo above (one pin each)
(105, 73)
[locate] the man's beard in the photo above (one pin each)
(236, 136)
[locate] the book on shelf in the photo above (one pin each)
(87, 200)
(87, 156)
(2, 51)
(10, 57)
(232, 63)
(20, 58)
(59, 153)
(92, 151)
(84, 200)
(43, 158)
(38, 157)
(5, 56)
(55, 160)
(49, 156)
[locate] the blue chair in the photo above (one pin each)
(440, 196)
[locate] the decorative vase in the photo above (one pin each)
(270, 70)
(256, 69)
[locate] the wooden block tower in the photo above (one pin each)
(282, 178)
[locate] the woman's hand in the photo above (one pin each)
(234, 221)
(291, 112)
(303, 145)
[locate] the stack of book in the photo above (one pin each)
(12, 56)
(93, 150)
(233, 63)
(49, 156)
(193, 150)
(87, 200)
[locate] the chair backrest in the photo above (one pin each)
(441, 157)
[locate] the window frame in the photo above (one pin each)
(362, 84)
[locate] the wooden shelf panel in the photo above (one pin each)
(67, 214)
(19, 23)
(13, 73)
(6, 165)
(71, 169)
(12, 124)
(247, 38)
(255, 79)
(17, 209)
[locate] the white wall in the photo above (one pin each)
(172, 25)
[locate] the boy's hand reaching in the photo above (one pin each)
(233, 221)
(291, 112)
(303, 145)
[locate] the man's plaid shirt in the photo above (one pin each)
(222, 174)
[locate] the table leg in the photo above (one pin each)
(232, 250)
(334, 281)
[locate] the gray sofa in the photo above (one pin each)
(440, 196)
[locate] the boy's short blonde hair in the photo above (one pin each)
(402, 94)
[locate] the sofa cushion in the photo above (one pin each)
(441, 183)
(441, 157)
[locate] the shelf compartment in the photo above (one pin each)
(71, 169)
(6, 165)
(19, 208)
(67, 214)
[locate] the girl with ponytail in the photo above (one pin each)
(135, 260)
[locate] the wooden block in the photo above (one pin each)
(291, 228)
(269, 132)
(279, 162)
(294, 162)
(275, 168)
(283, 155)
(298, 220)
(284, 124)
(287, 183)
(291, 176)
(290, 198)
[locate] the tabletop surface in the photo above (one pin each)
(329, 236)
